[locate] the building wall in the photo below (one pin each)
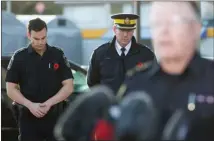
(144, 12)
(88, 16)
(94, 21)
(207, 10)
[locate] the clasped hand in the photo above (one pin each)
(39, 109)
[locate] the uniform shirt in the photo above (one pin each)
(39, 77)
(107, 68)
(118, 48)
(171, 92)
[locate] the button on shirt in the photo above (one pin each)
(118, 48)
(39, 77)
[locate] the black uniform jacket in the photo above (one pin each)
(172, 92)
(106, 66)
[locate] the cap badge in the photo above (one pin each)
(127, 21)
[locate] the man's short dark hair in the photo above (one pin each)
(36, 25)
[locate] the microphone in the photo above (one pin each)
(84, 119)
(176, 127)
(138, 119)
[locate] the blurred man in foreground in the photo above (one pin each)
(181, 79)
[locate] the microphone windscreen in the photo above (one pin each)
(138, 119)
(176, 127)
(103, 131)
(79, 119)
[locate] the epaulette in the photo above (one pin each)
(12, 57)
(121, 92)
(19, 50)
(139, 68)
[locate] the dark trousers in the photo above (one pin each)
(37, 129)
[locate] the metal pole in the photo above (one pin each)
(8, 5)
(137, 11)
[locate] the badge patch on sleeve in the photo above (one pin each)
(66, 61)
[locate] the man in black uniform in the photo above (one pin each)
(181, 79)
(111, 60)
(44, 78)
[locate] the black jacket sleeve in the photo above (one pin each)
(93, 75)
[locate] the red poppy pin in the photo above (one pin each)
(140, 64)
(56, 66)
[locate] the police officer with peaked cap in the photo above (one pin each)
(110, 61)
(181, 79)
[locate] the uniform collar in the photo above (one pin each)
(194, 66)
(112, 50)
(118, 47)
(31, 50)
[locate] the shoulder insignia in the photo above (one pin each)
(121, 91)
(19, 50)
(66, 61)
(12, 58)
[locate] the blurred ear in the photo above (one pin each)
(114, 29)
(28, 35)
